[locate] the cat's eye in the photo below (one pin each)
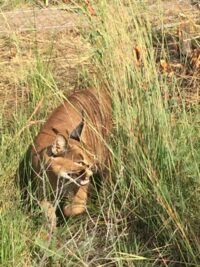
(79, 159)
(81, 162)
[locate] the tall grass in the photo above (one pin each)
(18, 229)
(155, 156)
(148, 215)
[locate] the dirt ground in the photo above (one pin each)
(47, 19)
(56, 36)
(56, 33)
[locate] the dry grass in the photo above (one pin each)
(62, 50)
(66, 53)
(150, 215)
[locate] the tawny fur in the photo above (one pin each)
(79, 156)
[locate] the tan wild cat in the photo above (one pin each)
(70, 148)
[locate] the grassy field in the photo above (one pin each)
(149, 214)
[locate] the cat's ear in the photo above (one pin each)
(78, 130)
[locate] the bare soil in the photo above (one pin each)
(56, 34)
(50, 19)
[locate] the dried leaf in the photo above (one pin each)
(90, 8)
(165, 65)
(137, 55)
(44, 236)
(137, 52)
(196, 58)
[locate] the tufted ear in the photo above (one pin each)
(59, 145)
(76, 133)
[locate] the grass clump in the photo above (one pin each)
(154, 144)
(148, 215)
